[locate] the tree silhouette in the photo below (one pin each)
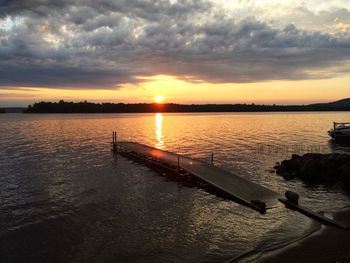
(88, 107)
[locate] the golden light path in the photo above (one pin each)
(159, 130)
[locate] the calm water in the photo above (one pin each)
(64, 198)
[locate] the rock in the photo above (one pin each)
(311, 171)
(294, 164)
(282, 170)
(345, 170)
(327, 169)
(342, 159)
(316, 171)
(331, 162)
(289, 175)
(311, 156)
(346, 182)
(345, 175)
(285, 172)
(295, 156)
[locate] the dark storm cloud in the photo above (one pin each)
(100, 44)
(8, 7)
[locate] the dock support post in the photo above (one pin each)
(112, 141)
(212, 159)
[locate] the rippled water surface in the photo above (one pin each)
(64, 198)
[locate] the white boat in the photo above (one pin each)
(341, 130)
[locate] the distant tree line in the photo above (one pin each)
(2, 110)
(88, 107)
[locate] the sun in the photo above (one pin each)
(158, 99)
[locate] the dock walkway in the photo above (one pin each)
(244, 191)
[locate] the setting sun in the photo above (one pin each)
(158, 99)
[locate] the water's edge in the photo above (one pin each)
(254, 255)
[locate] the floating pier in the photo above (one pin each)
(230, 185)
(253, 195)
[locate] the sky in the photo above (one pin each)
(181, 51)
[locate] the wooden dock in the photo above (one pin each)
(232, 186)
(251, 194)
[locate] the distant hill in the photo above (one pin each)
(338, 103)
(343, 102)
(87, 107)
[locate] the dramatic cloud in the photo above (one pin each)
(102, 44)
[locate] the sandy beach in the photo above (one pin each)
(329, 244)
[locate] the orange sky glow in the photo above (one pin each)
(169, 89)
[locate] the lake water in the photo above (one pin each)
(64, 198)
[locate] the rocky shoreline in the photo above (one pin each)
(316, 168)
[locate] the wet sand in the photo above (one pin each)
(330, 244)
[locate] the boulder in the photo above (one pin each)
(314, 168)
(281, 169)
(295, 156)
(311, 156)
(311, 171)
(345, 175)
(342, 159)
(294, 164)
(346, 183)
(331, 161)
(289, 175)
(285, 172)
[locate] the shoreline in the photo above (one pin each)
(107, 107)
(326, 244)
(255, 255)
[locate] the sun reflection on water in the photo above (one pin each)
(159, 130)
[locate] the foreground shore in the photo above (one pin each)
(329, 244)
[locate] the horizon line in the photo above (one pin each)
(173, 103)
